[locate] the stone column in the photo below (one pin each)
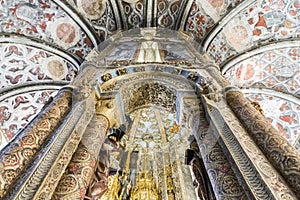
(80, 171)
(21, 151)
(223, 179)
(279, 152)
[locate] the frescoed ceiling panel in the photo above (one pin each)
(260, 23)
(133, 13)
(25, 74)
(22, 64)
(168, 12)
(99, 14)
(218, 8)
(205, 14)
(283, 114)
(44, 21)
(198, 21)
(276, 69)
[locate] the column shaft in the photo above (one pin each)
(280, 153)
(21, 151)
(81, 169)
(222, 177)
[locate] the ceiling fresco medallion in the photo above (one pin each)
(55, 68)
(245, 72)
(64, 32)
(294, 8)
(238, 34)
(92, 9)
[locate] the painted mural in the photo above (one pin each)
(21, 64)
(283, 115)
(45, 21)
(205, 13)
(99, 14)
(260, 23)
(275, 69)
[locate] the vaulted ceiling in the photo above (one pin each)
(255, 43)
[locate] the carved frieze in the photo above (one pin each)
(153, 93)
(116, 84)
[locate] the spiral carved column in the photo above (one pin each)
(22, 150)
(280, 153)
(79, 173)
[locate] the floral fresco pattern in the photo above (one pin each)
(45, 21)
(260, 23)
(275, 69)
(100, 15)
(167, 13)
(204, 14)
(20, 64)
(284, 115)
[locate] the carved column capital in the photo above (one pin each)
(107, 108)
(84, 82)
(216, 74)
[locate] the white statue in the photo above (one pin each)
(149, 50)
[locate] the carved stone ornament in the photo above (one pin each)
(80, 171)
(59, 153)
(22, 150)
(224, 182)
(153, 94)
(83, 83)
(281, 154)
(235, 139)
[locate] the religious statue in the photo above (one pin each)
(149, 52)
(116, 133)
(149, 49)
(99, 185)
(201, 181)
(125, 187)
(113, 188)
